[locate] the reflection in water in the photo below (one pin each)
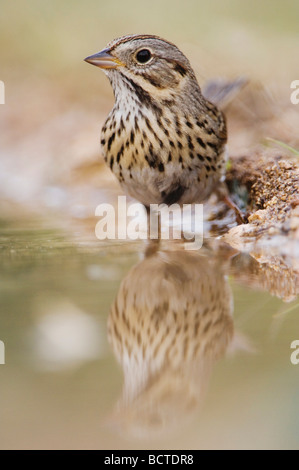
(275, 274)
(170, 322)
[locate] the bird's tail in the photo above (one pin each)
(222, 92)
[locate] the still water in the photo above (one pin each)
(131, 346)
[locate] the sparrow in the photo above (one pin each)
(163, 140)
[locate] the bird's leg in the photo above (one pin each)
(153, 224)
(152, 244)
(148, 217)
(240, 217)
(223, 195)
(151, 248)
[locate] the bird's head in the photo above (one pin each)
(145, 62)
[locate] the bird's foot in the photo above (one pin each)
(240, 216)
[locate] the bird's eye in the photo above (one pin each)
(143, 56)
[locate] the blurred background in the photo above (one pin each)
(65, 384)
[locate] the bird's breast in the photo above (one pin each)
(159, 157)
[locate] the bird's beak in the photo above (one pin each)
(104, 60)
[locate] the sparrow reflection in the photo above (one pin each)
(170, 322)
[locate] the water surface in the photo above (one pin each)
(127, 346)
